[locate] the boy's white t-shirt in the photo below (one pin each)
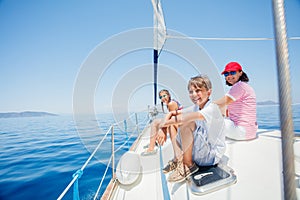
(212, 137)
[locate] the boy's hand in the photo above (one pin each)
(172, 118)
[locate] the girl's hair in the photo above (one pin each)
(243, 78)
(199, 82)
(168, 93)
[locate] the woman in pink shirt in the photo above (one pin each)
(240, 123)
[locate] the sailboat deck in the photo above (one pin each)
(256, 164)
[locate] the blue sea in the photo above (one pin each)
(39, 155)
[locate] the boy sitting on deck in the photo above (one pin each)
(201, 136)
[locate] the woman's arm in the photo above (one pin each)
(222, 103)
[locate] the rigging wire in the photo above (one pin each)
(286, 116)
(228, 38)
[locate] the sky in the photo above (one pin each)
(47, 46)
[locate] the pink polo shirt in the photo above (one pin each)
(243, 110)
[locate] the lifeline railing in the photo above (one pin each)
(77, 175)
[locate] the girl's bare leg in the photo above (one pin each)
(153, 134)
(173, 133)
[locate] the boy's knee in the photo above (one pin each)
(188, 127)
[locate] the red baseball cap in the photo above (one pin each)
(232, 66)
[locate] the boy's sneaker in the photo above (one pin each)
(170, 166)
(182, 172)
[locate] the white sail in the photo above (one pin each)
(160, 31)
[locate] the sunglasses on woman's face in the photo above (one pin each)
(231, 73)
(163, 96)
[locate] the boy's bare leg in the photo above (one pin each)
(187, 140)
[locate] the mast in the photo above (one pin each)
(286, 120)
(159, 38)
(155, 62)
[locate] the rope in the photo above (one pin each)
(78, 175)
(79, 172)
(126, 142)
(286, 119)
(94, 152)
(106, 170)
(227, 39)
(163, 178)
(131, 135)
(120, 122)
(125, 129)
(103, 177)
(293, 38)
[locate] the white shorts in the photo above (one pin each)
(203, 154)
(234, 132)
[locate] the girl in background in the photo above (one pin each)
(172, 105)
(165, 99)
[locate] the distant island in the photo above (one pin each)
(25, 114)
(266, 103)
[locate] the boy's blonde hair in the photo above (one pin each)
(199, 82)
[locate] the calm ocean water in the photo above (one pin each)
(39, 154)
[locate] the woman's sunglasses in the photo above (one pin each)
(231, 73)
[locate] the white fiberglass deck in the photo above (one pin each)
(256, 163)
